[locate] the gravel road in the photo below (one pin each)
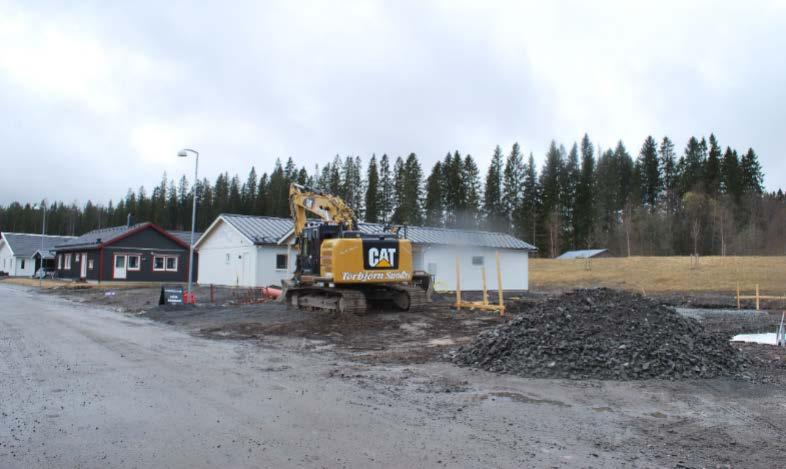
(82, 386)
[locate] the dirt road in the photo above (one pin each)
(89, 387)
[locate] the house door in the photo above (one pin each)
(120, 267)
(83, 266)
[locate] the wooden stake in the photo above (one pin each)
(757, 297)
(499, 288)
(458, 284)
(485, 292)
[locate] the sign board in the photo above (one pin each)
(171, 295)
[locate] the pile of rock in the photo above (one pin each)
(602, 334)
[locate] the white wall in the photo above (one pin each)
(513, 264)
(29, 268)
(7, 261)
(227, 258)
(267, 274)
(13, 265)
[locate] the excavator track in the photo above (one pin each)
(412, 299)
(335, 300)
(353, 301)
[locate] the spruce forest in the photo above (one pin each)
(657, 201)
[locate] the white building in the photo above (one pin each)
(242, 250)
(18, 252)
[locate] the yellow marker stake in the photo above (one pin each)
(485, 292)
(458, 285)
(499, 288)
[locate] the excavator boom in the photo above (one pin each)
(328, 208)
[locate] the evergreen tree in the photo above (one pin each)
(569, 181)
(712, 175)
(408, 177)
(551, 211)
(235, 200)
(249, 191)
(278, 192)
(651, 184)
(471, 186)
(492, 196)
(731, 180)
(453, 190)
(584, 209)
(334, 177)
(626, 175)
(262, 206)
(372, 191)
(670, 175)
(692, 167)
(512, 182)
(433, 206)
(399, 198)
(385, 190)
(528, 220)
(750, 171)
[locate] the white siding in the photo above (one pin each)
(13, 265)
(6, 259)
(227, 258)
(29, 268)
(267, 274)
(513, 264)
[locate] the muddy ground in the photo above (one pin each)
(695, 423)
(397, 337)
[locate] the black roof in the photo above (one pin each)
(27, 244)
(92, 239)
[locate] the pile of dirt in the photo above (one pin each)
(602, 334)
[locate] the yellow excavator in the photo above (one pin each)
(343, 270)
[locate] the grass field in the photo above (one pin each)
(663, 274)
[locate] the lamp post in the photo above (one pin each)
(41, 252)
(183, 154)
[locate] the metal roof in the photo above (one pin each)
(455, 237)
(26, 244)
(270, 230)
(259, 229)
(185, 236)
(582, 254)
(96, 237)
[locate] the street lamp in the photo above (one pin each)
(43, 233)
(183, 154)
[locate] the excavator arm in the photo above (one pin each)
(328, 208)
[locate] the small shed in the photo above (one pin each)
(585, 254)
(142, 252)
(20, 253)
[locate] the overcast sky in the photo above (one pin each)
(97, 97)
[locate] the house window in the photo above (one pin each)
(281, 261)
(68, 262)
(432, 268)
(165, 263)
(133, 262)
(227, 261)
(76, 258)
(23, 264)
(90, 264)
(477, 260)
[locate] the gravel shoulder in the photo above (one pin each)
(257, 385)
